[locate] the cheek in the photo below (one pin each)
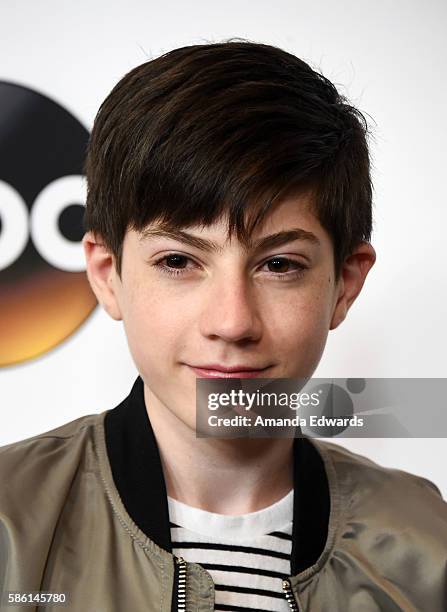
(304, 312)
(301, 327)
(154, 328)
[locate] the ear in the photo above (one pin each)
(352, 276)
(102, 274)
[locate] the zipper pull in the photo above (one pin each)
(287, 588)
(181, 584)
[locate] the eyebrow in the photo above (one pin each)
(266, 242)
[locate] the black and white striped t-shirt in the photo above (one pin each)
(246, 555)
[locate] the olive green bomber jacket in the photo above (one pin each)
(83, 512)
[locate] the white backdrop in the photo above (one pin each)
(389, 57)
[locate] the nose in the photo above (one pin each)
(230, 310)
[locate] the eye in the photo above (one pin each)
(176, 261)
(175, 264)
(285, 268)
(279, 264)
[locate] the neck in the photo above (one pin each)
(226, 476)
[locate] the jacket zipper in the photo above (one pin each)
(179, 589)
(287, 588)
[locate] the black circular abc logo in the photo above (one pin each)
(45, 294)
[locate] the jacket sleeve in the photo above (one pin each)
(35, 476)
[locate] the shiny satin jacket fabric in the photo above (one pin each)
(64, 529)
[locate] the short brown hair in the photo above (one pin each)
(226, 127)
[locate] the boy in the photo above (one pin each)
(228, 218)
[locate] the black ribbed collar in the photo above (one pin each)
(137, 472)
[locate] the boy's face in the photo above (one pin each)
(267, 307)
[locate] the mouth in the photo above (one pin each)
(219, 371)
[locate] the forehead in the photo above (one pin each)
(291, 219)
